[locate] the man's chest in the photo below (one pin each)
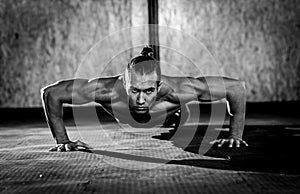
(159, 111)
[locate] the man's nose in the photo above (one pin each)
(140, 99)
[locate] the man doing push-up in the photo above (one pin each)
(142, 96)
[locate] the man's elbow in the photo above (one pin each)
(43, 93)
(242, 89)
(48, 93)
(236, 97)
(237, 89)
(243, 85)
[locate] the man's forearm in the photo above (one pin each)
(54, 115)
(58, 129)
(237, 122)
(237, 103)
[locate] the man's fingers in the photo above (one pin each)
(67, 147)
(215, 141)
(61, 148)
(53, 149)
(57, 148)
(82, 144)
(245, 143)
(221, 143)
(231, 142)
(237, 143)
(70, 146)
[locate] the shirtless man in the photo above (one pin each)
(141, 97)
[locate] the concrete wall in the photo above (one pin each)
(254, 40)
(44, 41)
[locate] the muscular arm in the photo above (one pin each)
(210, 89)
(234, 92)
(236, 97)
(78, 91)
(53, 98)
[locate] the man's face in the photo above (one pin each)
(142, 91)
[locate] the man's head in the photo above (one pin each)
(142, 81)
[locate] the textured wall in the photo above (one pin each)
(44, 41)
(254, 40)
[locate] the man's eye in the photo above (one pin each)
(134, 91)
(149, 91)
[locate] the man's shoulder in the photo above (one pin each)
(105, 87)
(108, 78)
(102, 84)
(108, 81)
(178, 81)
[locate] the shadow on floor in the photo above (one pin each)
(271, 149)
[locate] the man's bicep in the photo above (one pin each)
(77, 91)
(211, 88)
(83, 91)
(218, 88)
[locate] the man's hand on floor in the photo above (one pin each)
(230, 142)
(71, 146)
